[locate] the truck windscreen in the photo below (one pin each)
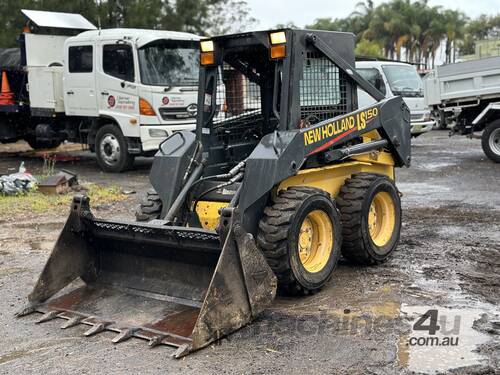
(404, 80)
(169, 63)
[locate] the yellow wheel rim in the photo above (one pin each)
(315, 241)
(381, 218)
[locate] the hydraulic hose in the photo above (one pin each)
(172, 212)
(236, 178)
(225, 176)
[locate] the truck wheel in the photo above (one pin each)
(111, 150)
(40, 145)
(300, 236)
(490, 140)
(440, 119)
(150, 207)
(370, 211)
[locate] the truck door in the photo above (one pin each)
(373, 76)
(79, 81)
(118, 92)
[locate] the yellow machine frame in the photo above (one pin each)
(329, 178)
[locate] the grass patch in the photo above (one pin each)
(38, 203)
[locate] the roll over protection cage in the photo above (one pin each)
(286, 100)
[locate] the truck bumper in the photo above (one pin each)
(153, 135)
(421, 127)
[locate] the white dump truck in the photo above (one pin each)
(467, 96)
(119, 91)
(394, 78)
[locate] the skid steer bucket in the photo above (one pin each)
(184, 287)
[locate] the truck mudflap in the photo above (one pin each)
(183, 287)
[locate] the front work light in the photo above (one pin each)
(207, 52)
(278, 37)
(207, 46)
(278, 45)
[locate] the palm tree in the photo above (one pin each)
(434, 34)
(380, 29)
(454, 22)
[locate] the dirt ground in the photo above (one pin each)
(448, 260)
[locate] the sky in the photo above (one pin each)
(269, 13)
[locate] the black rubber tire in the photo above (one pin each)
(125, 160)
(41, 145)
(354, 202)
(440, 119)
(150, 207)
(278, 235)
(488, 132)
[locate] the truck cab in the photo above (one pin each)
(119, 91)
(397, 79)
(139, 86)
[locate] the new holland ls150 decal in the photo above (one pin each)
(343, 128)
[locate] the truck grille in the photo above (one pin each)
(417, 117)
(178, 113)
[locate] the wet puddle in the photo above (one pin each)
(421, 188)
(41, 245)
(435, 166)
(49, 226)
(441, 339)
(6, 271)
(11, 356)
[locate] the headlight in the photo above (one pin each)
(427, 116)
(158, 133)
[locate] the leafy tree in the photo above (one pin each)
(288, 25)
(230, 16)
(368, 48)
(204, 17)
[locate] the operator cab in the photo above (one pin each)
(248, 92)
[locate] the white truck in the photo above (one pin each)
(396, 78)
(119, 91)
(467, 95)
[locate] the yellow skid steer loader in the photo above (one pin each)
(283, 175)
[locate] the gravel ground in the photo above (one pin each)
(448, 260)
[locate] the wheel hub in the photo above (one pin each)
(110, 149)
(381, 218)
(315, 241)
(494, 141)
(305, 240)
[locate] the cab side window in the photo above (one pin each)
(80, 59)
(373, 76)
(118, 61)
